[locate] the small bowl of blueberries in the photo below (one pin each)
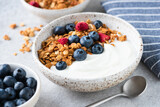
(19, 86)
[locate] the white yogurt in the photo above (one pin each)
(111, 61)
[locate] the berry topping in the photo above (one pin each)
(79, 55)
(97, 49)
(5, 70)
(59, 30)
(33, 3)
(19, 74)
(63, 41)
(9, 104)
(73, 39)
(18, 86)
(11, 92)
(81, 26)
(98, 24)
(31, 82)
(9, 81)
(70, 27)
(94, 35)
(86, 41)
(15, 87)
(61, 65)
(26, 93)
(3, 94)
(103, 37)
(20, 101)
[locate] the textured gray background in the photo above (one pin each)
(11, 11)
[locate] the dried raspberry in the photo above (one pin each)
(81, 26)
(63, 41)
(103, 37)
(33, 3)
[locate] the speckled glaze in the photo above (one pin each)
(30, 73)
(90, 85)
(49, 15)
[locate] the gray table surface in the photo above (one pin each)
(52, 95)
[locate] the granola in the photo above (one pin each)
(6, 37)
(13, 26)
(27, 33)
(22, 24)
(54, 4)
(57, 48)
(15, 54)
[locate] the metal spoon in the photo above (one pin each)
(132, 88)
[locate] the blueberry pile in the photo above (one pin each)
(88, 41)
(15, 87)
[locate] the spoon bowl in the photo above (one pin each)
(134, 86)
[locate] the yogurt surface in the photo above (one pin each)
(111, 61)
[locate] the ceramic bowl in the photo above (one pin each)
(49, 15)
(30, 73)
(94, 84)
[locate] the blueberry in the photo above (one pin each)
(70, 27)
(15, 100)
(33, 90)
(19, 74)
(73, 39)
(20, 101)
(79, 55)
(61, 65)
(5, 70)
(1, 84)
(94, 35)
(97, 49)
(59, 30)
(98, 24)
(11, 92)
(3, 94)
(31, 82)
(86, 41)
(26, 93)
(18, 86)
(9, 81)
(9, 104)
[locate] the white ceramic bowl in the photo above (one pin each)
(96, 84)
(30, 73)
(49, 15)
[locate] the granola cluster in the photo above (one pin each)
(54, 4)
(27, 33)
(6, 37)
(52, 50)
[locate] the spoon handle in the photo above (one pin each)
(95, 104)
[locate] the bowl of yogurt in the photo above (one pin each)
(48, 14)
(98, 71)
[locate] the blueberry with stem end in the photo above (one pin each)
(79, 55)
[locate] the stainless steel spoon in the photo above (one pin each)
(132, 88)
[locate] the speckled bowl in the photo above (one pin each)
(96, 84)
(49, 15)
(30, 73)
